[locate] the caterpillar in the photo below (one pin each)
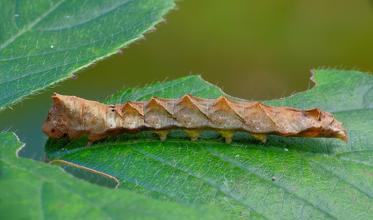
(73, 117)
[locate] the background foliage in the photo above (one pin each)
(46, 41)
(34, 190)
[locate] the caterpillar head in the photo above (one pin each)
(332, 127)
(55, 126)
(327, 126)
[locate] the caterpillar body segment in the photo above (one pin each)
(73, 117)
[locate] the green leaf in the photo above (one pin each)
(46, 41)
(35, 190)
(287, 178)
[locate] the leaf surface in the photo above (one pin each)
(46, 41)
(287, 178)
(35, 190)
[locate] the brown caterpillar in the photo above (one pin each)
(73, 117)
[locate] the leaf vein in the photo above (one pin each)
(284, 189)
(31, 25)
(206, 180)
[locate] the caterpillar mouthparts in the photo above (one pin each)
(73, 117)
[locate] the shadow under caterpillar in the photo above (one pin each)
(73, 117)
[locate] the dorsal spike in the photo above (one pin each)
(315, 113)
(222, 103)
(187, 100)
(263, 108)
(154, 101)
(133, 107)
(158, 103)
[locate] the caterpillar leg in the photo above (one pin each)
(260, 137)
(162, 134)
(193, 134)
(227, 135)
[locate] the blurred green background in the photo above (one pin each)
(253, 49)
